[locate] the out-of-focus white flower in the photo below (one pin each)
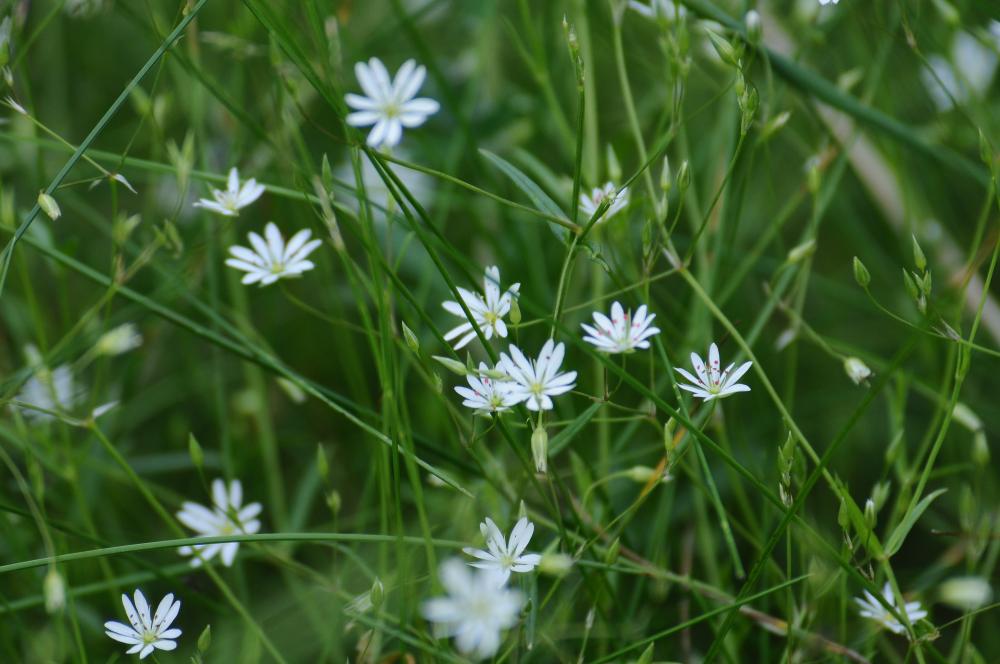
(53, 390)
(488, 313)
(537, 381)
(389, 105)
(272, 260)
(226, 516)
(146, 633)
(590, 203)
(476, 610)
(967, 593)
(623, 332)
(418, 184)
(487, 394)
(871, 608)
(505, 556)
(828, 2)
(235, 197)
(713, 383)
(119, 340)
(857, 370)
(666, 9)
(966, 74)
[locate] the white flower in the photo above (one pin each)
(713, 383)
(666, 9)
(828, 2)
(487, 313)
(967, 593)
(857, 370)
(505, 556)
(623, 332)
(420, 185)
(538, 380)
(871, 608)
(390, 104)
(272, 260)
(476, 610)
(119, 340)
(225, 517)
(49, 390)
(234, 198)
(589, 204)
(485, 393)
(967, 73)
(145, 633)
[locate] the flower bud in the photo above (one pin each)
(665, 175)
(322, 465)
(918, 255)
(515, 312)
(410, 337)
(857, 370)
(861, 274)
(870, 514)
(966, 593)
(49, 206)
(555, 564)
(880, 493)
(119, 340)
(754, 27)
(334, 502)
(647, 655)
(451, 365)
(727, 52)
(966, 417)
(802, 251)
(614, 168)
(54, 590)
(377, 593)
(194, 451)
(205, 639)
(774, 125)
(980, 449)
(540, 449)
(640, 474)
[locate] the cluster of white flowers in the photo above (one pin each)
(479, 606)
(517, 378)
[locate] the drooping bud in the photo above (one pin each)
(119, 340)
(802, 251)
(857, 370)
(640, 474)
(451, 365)
(966, 417)
(555, 564)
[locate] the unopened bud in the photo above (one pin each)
(665, 176)
(49, 206)
(451, 365)
(948, 12)
(119, 340)
(194, 451)
(540, 449)
(515, 311)
(843, 516)
(205, 639)
(802, 251)
(614, 168)
(322, 465)
(870, 514)
(683, 177)
(54, 590)
(966, 593)
(774, 125)
(640, 474)
(861, 274)
(410, 337)
(918, 255)
(377, 593)
(880, 493)
(980, 449)
(857, 370)
(555, 564)
(754, 27)
(333, 501)
(966, 417)
(727, 52)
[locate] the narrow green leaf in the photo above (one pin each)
(538, 197)
(903, 529)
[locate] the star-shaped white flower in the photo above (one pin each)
(871, 608)
(47, 389)
(236, 197)
(536, 381)
(226, 516)
(623, 332)
(505, 556)
(487, 313)
(389, 105)
(487, 394)
(146, 633)
(272, 260)
(590, 203)
(714, 383)
(475, 611)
